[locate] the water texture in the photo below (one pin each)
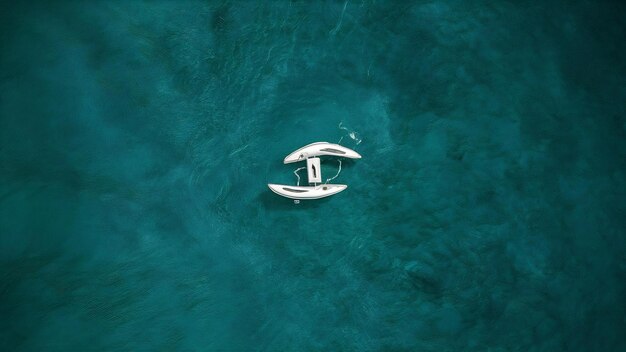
(488, 212)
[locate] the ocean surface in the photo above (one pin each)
(488, 212)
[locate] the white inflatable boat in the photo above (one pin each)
(316, 188)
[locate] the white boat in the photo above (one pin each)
(310, 153)
(306, 192)
(319, 149)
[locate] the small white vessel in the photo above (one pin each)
(318, 189)
(306, 192)
(321, 148)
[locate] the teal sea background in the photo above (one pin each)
(488, 212)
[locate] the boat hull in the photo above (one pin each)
(306, 192)
(321, 148)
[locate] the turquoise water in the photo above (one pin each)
(488, 212)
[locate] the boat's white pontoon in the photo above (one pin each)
(321, 148)
(314, 171)
(306, 192)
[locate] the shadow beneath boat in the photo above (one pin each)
(272, 201)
